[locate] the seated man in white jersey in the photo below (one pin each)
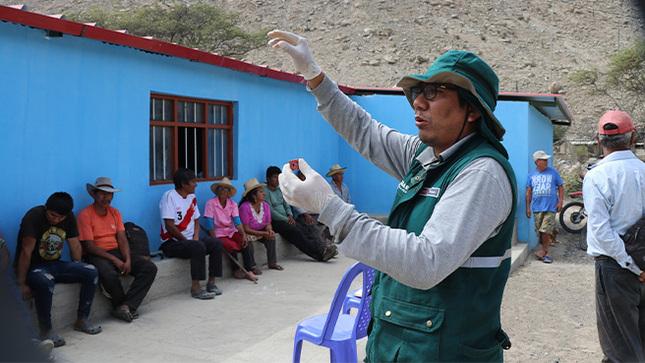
(180, 235)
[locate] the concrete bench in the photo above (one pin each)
(173, 277)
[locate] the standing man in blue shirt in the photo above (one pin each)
(614, 193)
(541, 187)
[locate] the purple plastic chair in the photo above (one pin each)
(352, 300)
(335, 330)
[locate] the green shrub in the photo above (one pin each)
(571, 180)
(581, 153)
(195, 24)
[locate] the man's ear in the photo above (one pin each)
(473, 114)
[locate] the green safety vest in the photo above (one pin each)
(457, 320)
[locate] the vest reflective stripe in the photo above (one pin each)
(486, 262)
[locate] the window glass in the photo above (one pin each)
(160, 109)
(204, 147)
(218, 149)
(217, 114)
(160, 153)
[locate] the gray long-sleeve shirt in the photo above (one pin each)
(470, 211)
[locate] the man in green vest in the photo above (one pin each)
(443, 259)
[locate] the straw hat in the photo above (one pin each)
(102, 183)
(335, 169)
(252, 184)
(226, 183)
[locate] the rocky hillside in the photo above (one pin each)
(532, 44)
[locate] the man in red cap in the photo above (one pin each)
(614, 191)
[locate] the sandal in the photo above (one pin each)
(214, 289)
(87, 327)
(275, 266)
(58, 341)
(203, 295)
(256, 270)
(238, 274)
(123, 314)
(251, 276)
(329, 253)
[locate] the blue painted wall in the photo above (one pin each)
(74, 109)
(527, 131)
(371, 188)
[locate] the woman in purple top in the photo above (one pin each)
(255, 215)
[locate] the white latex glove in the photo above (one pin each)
(311, 194)
(297, 47)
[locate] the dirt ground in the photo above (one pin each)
(549, 309)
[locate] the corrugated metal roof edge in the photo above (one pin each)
(18, 14)
(555, 100)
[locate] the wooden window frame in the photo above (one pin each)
(203, 124)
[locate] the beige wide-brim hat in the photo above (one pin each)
(540, 155)
(252, 184)
(225, 182)
(335, 169)
(102, 183)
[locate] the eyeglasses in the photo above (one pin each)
(429, 90)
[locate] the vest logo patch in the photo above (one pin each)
(430, 192)
(403, 187)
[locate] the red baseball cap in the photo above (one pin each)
(615, 122)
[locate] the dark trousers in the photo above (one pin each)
(196, 251)
(305, 239)
(620, 312)
(42, 278)
(142, 269)
(16, 335)
(269, 244)
(12, 299)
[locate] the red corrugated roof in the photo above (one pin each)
(553, 106)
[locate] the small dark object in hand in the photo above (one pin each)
(294, 164)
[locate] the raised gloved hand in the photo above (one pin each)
(311, 194)
(297, 47)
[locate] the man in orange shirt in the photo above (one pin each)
(102, 234)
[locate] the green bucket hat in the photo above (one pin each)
(465, 70)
